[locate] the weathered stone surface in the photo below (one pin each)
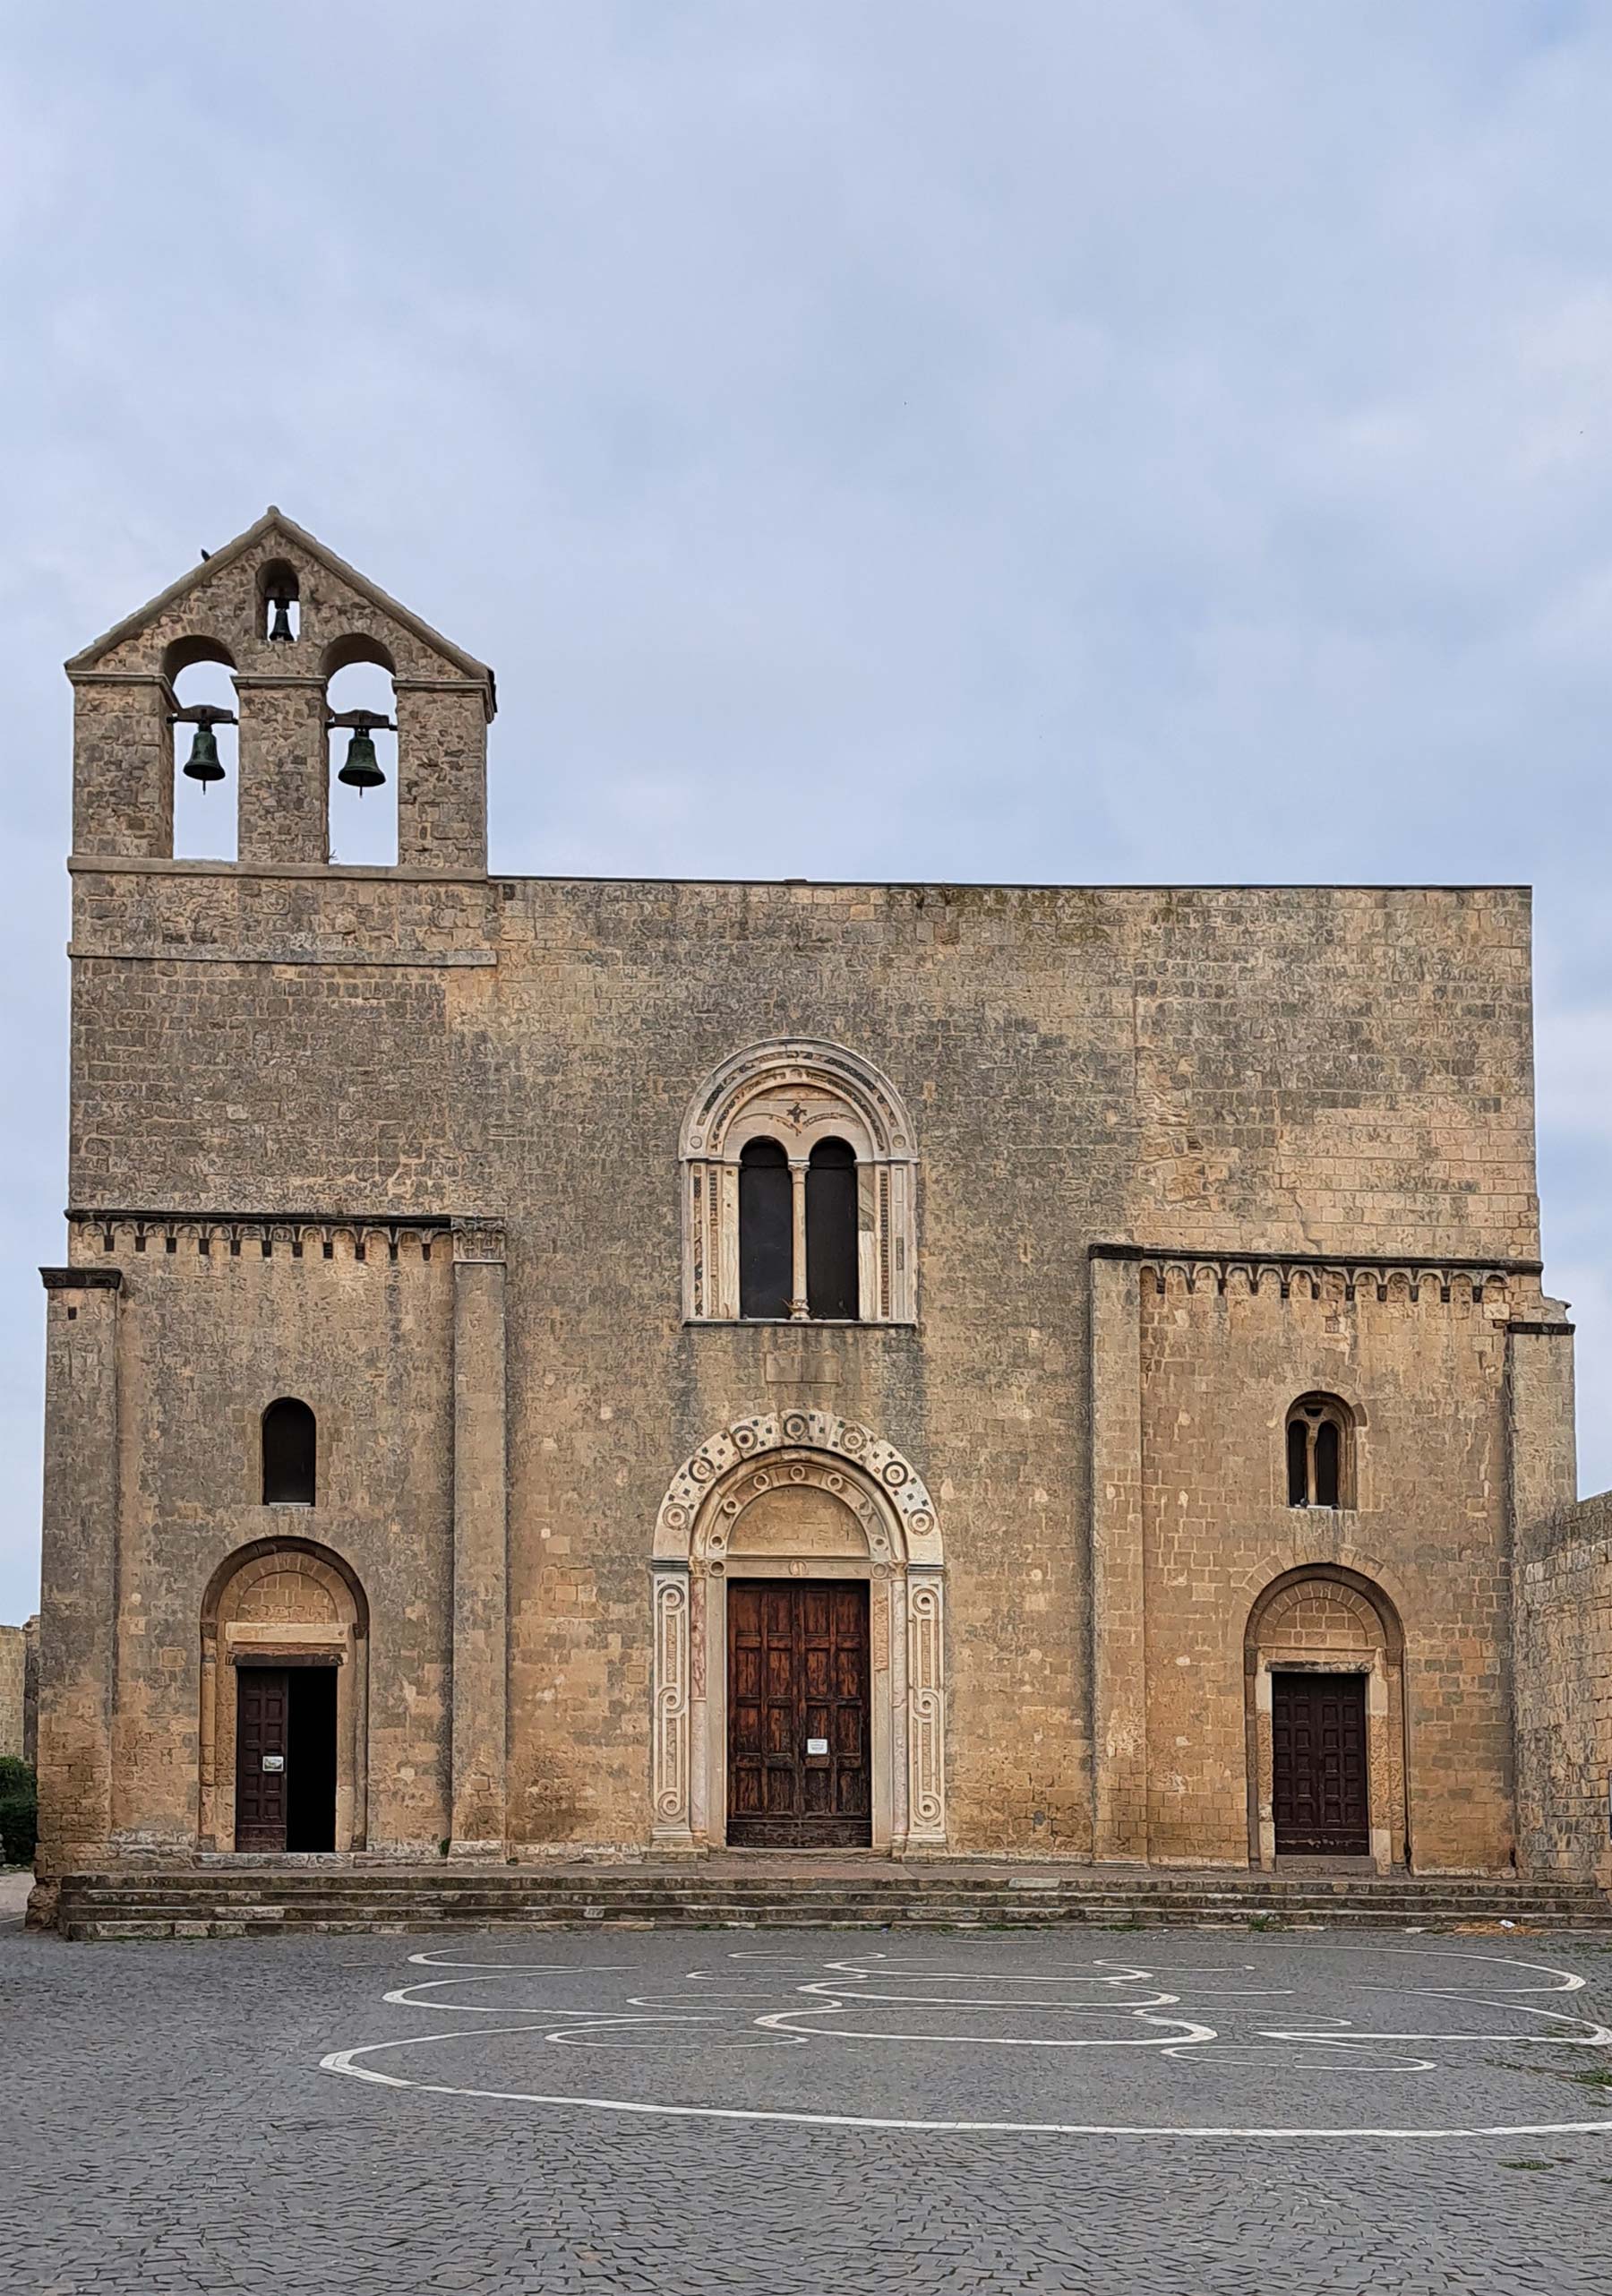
(415, 1145)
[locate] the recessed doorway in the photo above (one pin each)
(285, 1758)
(799, 1775)
(1320, 1798)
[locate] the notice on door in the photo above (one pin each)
(816, 1745)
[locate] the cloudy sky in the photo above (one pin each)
(1167, 439)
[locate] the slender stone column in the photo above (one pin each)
(481, 1557)
(78, 1568)
(799, 1307)
(1119, 1654)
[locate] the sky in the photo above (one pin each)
(982, 439)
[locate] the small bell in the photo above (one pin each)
(362, 770)
(202, 763)
(279, 629)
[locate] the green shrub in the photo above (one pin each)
(19, 1811)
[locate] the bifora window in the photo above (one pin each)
(1320, 1452)
(799, 1172)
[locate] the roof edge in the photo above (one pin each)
(275, 521)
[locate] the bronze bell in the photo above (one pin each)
(279, 629)
(202, 763)
(362, 770)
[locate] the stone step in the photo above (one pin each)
(265, 1900)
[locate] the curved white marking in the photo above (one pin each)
(345, 2062)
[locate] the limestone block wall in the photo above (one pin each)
(1563, 1658)
(1277, 1069)
(1419, 1357)
(13, 1675)
(214, 1321)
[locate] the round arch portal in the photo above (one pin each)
(790, 1495)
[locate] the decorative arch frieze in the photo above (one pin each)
(799, 1091)
(898, 1549)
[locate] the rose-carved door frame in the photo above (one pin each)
(904, 1565)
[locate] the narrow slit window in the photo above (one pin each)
(766, 1231)
(1320, 1452)
(290, 1454)
(831, 1273)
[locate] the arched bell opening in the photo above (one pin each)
(279, 603)
(360, 724)
(206, 751)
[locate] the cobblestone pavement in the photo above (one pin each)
(1184, 2112)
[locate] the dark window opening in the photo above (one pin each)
(310, 1759)
(831, 1280)
(1298, 1464)
(291, 1447)
(766, 1231)
(1320, 1453)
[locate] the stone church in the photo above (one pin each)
(550, 1366)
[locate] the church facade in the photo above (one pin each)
(548, 1366)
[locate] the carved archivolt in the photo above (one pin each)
(881, 1484)
(696, 1547)
(799, 1091)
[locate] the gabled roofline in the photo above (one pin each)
(275, 521)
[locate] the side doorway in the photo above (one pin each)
(285, 1757)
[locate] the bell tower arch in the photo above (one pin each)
(283, 612)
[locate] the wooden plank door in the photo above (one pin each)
(1319, 1793)
(798, 1773)
(261, 1706)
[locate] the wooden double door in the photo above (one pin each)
(1318, 1765)
(284, 1757)
(799, 1774)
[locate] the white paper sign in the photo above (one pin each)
(274, 1761)
(816, 1745)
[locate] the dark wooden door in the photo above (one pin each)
(798, 1768)
(1318, 1765)
(262, 1708)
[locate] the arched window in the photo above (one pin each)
(290, 1449)
(1320, 1452)
(837, 1174)
(831, 1285)
(766, 1231)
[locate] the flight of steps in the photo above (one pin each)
(231, 1899)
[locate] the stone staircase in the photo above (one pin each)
(238, 1898)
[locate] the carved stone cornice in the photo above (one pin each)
(1308, 1274)
(82, 1279)
(297, 1235)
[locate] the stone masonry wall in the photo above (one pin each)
(1425, 1378)
(1281, 1069)
(207, 1339)
(1564, 1659)
(14, 1672)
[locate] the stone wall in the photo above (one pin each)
(412, 1145)
(1564, 1661)
(13, 1677)
(1276, 1069)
